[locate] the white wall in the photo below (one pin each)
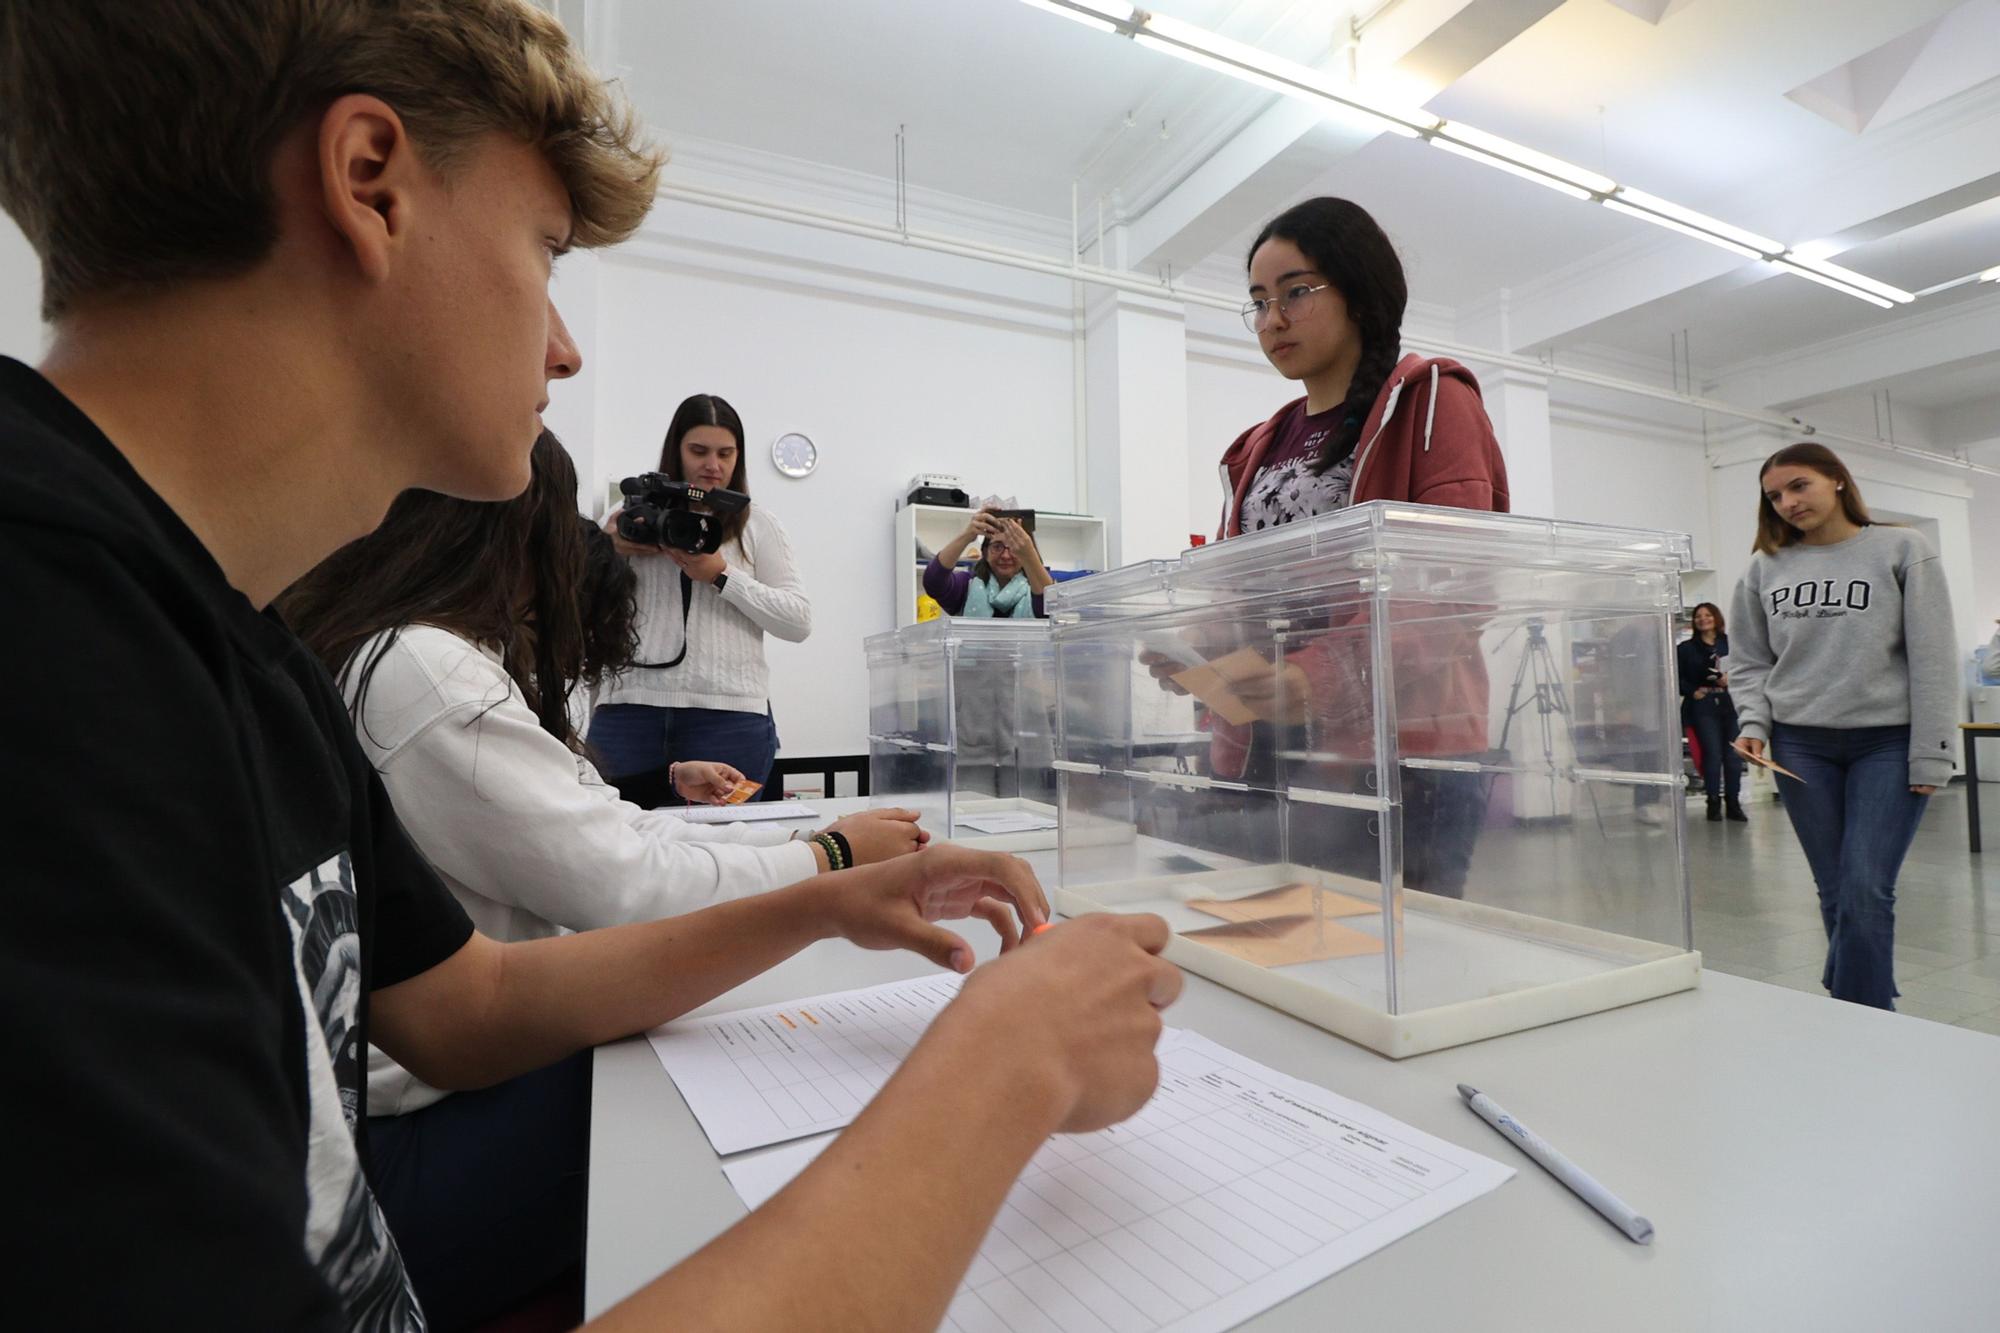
(1230, 388)
(885, 387)
(1985, 545)
(1626, 470)
(22, 334)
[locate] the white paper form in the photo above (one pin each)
(749, 812)
(1234, 1188)
(1007, 821)
(760, 1076)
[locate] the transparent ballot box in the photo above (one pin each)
(1411, 774)
(961, 727)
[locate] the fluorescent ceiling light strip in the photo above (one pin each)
(1512, 168)
(1852, 279)
(1286, 76)
(1337, 106)
(1672, 224)
(1652, 203)
(1991, 274)
(1105, 18)
(1198, 46)
(1823, 280)
(1524, 156)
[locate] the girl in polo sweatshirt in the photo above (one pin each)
(1844, 663)
(1327, 296)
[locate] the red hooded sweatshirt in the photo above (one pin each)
(1427, 440)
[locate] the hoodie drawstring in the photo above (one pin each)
(1430, 414)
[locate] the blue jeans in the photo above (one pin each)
(484, 1190)
(1714, 723)
(1855, 816)
(635, 743)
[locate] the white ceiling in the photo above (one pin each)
(1007, 105)
(1003, 104)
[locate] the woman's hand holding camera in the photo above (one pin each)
(700, 568)
(619, 544)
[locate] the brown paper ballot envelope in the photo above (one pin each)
(1287, 900)
(1282, 940)
(1210, 683)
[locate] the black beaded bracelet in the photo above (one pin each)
(833, 858)
(846, 848)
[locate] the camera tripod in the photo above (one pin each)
(1550, 699)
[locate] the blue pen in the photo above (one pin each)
(1559, 1166)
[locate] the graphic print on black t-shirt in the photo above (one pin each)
(1286, 488)
(347, 1237)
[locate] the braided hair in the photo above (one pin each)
(1351, 251)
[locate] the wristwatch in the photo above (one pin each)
(721, 582)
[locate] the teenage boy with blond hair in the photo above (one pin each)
(296, 253)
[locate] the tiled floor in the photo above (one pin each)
(1755, 914)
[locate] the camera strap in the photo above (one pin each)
(687, 605)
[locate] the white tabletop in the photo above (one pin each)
(1809, 1164)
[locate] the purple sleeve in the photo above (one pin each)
(1041, 612)
(947, 586)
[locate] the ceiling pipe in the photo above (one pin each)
(1116, 280)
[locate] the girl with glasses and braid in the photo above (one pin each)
(1327, 295)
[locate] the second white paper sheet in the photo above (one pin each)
(1233, 1189)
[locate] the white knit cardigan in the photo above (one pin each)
(724, 667)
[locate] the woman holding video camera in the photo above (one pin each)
(700, 689)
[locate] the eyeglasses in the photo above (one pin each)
(1294, 302)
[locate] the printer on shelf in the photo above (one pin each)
(937, 488)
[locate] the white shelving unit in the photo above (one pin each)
(1066, 541)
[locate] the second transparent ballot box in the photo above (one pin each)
(961, 727)
(1412, 774)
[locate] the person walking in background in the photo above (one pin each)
(1845, 666)
(1701, 665)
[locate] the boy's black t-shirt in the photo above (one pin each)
(203, 879)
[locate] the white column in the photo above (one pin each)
(1736, 455)
(1135, 368)
(1518, 403)
(572, 411)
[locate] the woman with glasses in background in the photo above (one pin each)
(1009, 580)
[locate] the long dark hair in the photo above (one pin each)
(607, 607)
(1773, 533)
(463, 566)
(706, 409)
(1350, 250)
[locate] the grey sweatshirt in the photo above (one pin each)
(1857, 634)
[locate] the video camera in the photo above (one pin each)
(658, 512)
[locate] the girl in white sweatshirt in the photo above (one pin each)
(459, 632)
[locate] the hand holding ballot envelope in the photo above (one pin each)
(1245, 686)
(1752, 749)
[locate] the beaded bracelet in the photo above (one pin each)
(846, 848)
(834, 860)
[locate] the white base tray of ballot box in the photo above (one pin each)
(1479, 972)
(1039, 839)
